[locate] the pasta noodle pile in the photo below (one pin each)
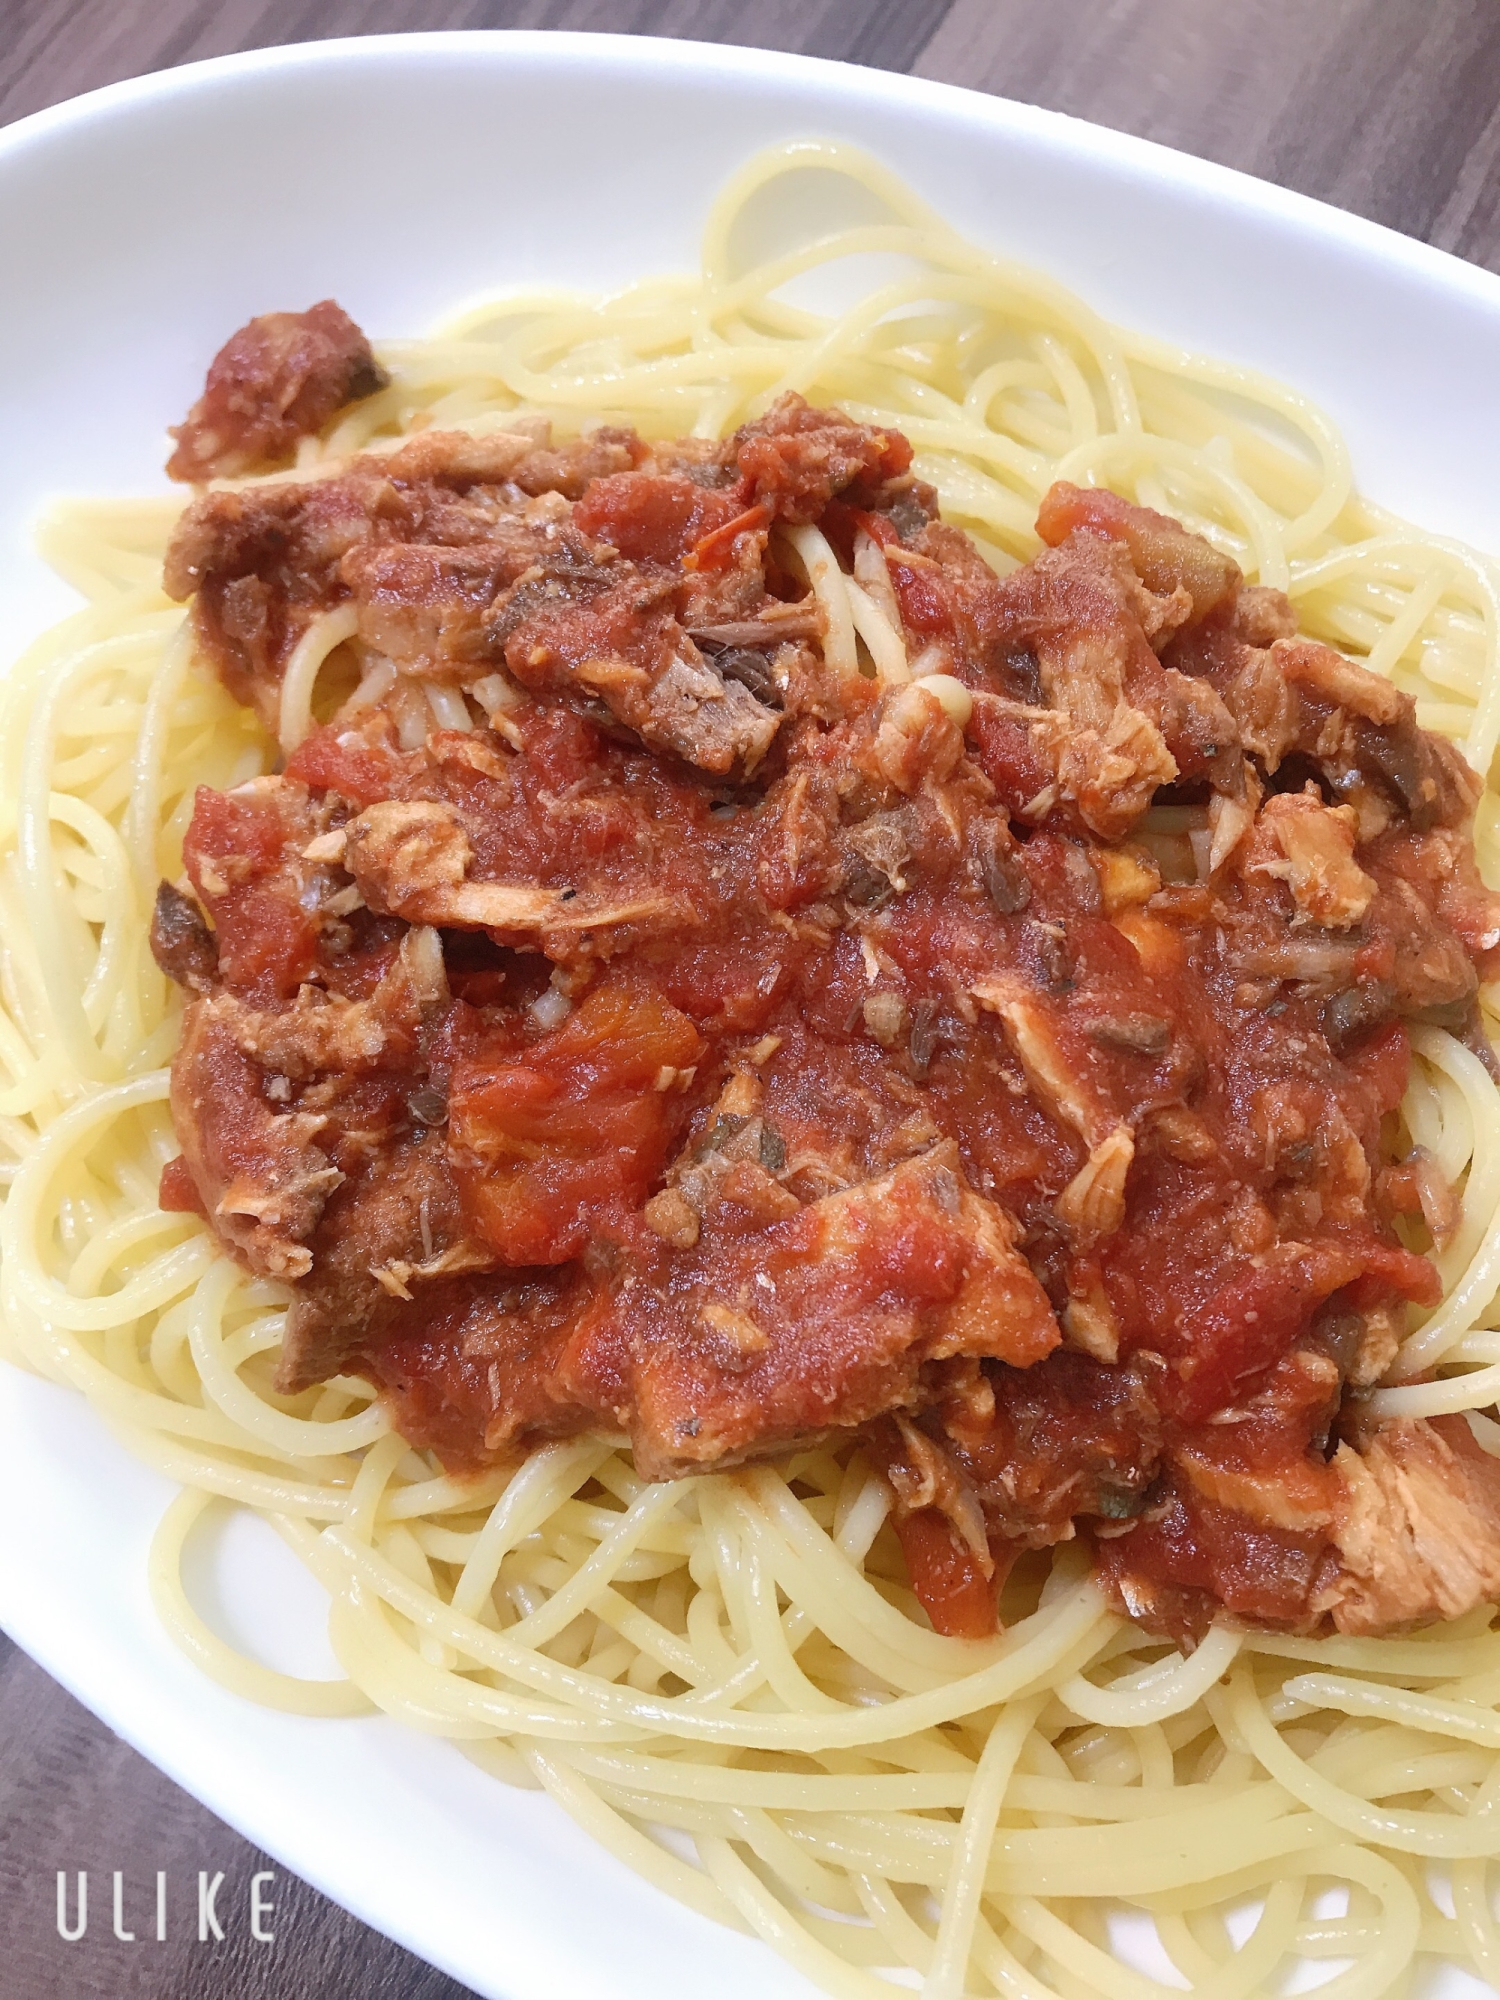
(726, 1680)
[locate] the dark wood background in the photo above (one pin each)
(1387, 107)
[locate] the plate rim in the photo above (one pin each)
(1151, 158)
(1209, 184)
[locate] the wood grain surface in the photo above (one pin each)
(1387, 107)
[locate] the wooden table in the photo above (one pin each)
(1387, 107)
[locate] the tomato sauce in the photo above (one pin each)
(701, 1045)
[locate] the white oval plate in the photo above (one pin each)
(403, 175)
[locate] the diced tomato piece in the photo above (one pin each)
(343, 761)
(224, 825)
(919, 592)
(945, 1574)
(561, 1137)
(1260, 1573)
(895, 454)
(178, 1193)
(653, 517)
(234, 851)
(1383, 1059)
(1005, 752)
(1389, 1268)
(1250, 1322)
(267, 945)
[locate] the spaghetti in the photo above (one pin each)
(736, 1659)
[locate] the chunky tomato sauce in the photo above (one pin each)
(622, 1015)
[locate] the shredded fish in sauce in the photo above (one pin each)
(677, 992)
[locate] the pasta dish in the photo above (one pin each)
(778, 1026)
